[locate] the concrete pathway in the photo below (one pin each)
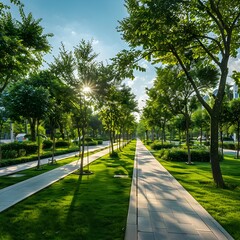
(23, 166)
(17, 192)
(160, 208)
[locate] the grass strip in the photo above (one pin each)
(89, 207)
(6, 181)
(222, 204)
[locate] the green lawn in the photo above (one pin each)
(92, 207)
(6, 181)
(222, 204)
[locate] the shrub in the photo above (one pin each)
(99, 141)
(62, 143)
(148, 142)
(13, 146)
(21, 152)
(229, 145)
(91, 143)
(157, 145)
(114, 155)
(180, 155)
(9, 154)
(22, 148)
(31, 148)
(47, 143)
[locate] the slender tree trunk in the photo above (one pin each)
(32, 123)
(221, 136)
(214, 157)
(54, 144)
(187, 139)
(79, 141)
(111, 140)
(82, 153)
(0, 145)
(238, 130)
(38, 143)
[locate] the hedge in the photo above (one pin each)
(181, 155)
(157, 145)
(22, 148)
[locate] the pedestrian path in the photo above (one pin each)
(160, 208)
(17, 192)
(23, 166)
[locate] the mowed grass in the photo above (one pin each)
(222, 204)
(88, 207)
(7, 180)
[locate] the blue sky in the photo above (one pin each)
(73, 20)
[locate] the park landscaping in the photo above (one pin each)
(222, 204)
(76, 207)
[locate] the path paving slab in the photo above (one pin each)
(160, 208)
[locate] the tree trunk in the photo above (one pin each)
(188, 140)
(214, 156)
(32, 123)
(54, 144)
(82, 153)
(238, 130)
(38, 143)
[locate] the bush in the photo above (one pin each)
(31, 148)
(99, 141)
(9, 154)
(62, 143)
(229, 145)
(157, 145)
(13, 146)
(21, 152)
(47, 144)
(180, 155)
(91, 143)
(22, 148)
(148, 142)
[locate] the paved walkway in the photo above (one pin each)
(23, 166)
(17, 192)
(160, 208)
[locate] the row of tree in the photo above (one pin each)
(172, 108)
(195, 35)
(74, 87)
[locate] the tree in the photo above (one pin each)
(30, 102)
(201, 121)
(78, 69)
(22, 45)
(186, 32)
(177, 95)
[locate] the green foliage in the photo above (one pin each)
(62, 143)
(47, 143)
(99, 141)
(181, 155)
(21, 149)
(114, 155)
(91, 143)
(31, 148)
(9, 154)
(22, 45)
(157, 145)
